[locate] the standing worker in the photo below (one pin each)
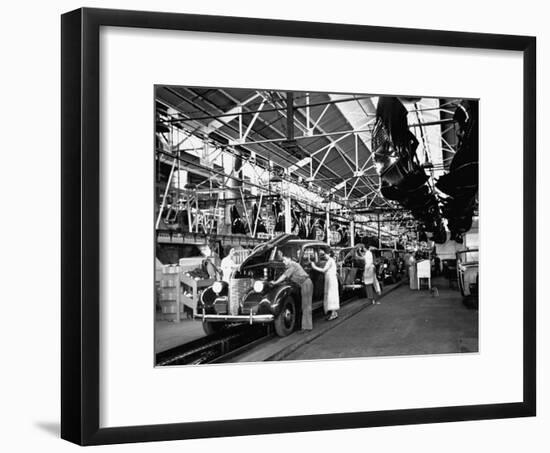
(296, 274)
(228, 265)
(412, 272)
(369, 275)
(406, 259)
(331, 302)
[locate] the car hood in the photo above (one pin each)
(277, 241)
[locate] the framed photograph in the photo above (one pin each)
(275, 226)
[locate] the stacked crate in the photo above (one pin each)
(169, 297)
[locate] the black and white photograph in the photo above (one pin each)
(275, 226)
(295, 225)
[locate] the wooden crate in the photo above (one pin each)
(168, 285)
(190, 291)
(179, 293)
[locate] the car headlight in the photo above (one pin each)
(217, 287)
(259, 286)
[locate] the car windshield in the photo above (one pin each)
(469, 256)
(290, 250)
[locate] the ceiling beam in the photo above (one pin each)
(229, 116)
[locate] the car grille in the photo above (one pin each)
(238, 288)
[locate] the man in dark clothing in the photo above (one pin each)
(296, 273)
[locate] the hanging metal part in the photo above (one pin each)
(245, 211)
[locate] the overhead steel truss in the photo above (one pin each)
(327, 148)
(356, 180)
(234, 113)
(304, 128)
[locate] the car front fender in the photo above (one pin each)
(272, 296)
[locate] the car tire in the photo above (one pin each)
(210, 328)
(285, 322)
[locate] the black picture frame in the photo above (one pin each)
(80, 264)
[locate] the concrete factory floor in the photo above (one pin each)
(277, 348)
(171, 334)
(407, 322)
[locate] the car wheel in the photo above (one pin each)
(210, 328)
(286, 319)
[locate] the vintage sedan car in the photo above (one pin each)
(250, 298)
(467, 268)
(350, 267)
(400, 256)
(387, 266)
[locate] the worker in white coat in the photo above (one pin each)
(369, 275)
(228, 265)
(331, 301)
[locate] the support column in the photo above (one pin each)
(327, 226)
(309, 129)
(352, 233)
(179, 303)
(228, 167)
(288, 215)
(290, 115)
(379, 238)
(288, 210)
